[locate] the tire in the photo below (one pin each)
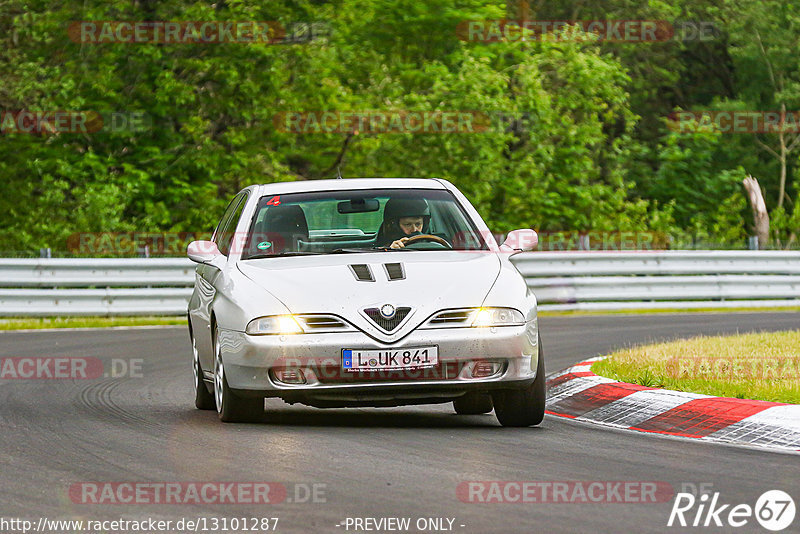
(203, 399)
(230, 407)
(473, 403)
(523, 407)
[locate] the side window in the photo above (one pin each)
(225, 218)
(227, 226)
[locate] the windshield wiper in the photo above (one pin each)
(371, 249)
(281, 255)
(353, 250)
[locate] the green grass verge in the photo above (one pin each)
(29, 323)
(762, 366)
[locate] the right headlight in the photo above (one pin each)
(476, 317)
(497, 317)
(273, 324)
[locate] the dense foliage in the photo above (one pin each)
(578, 138)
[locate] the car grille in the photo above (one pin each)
(332, 374)
(394, 271)
(387, 324)
(362, 272)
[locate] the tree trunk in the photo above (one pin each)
(759, 207)
(783, 154)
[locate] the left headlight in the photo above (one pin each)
(497, 317)
(274, 324)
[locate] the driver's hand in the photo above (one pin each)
(400, 243)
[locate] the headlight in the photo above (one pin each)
(274, 324)
(497, 317)
(474, 317)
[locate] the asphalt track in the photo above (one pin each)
(376, 462)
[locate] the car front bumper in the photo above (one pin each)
(251, 363)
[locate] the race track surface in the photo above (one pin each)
(376, 462)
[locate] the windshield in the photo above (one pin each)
(359, 221)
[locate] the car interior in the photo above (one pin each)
(284, 228)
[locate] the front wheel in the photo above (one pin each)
(523, 407)
(230, 407)
(203, 399)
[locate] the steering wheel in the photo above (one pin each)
(428, 237)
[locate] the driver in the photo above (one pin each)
(403, 218)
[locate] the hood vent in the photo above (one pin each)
(394, 271)
(362, 272)
(387, 324)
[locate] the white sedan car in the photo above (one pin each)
(363, 292)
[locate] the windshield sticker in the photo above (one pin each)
(264, 245)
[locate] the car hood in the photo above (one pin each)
(328, 284)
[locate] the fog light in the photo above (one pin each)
(485, 369)
(290, 376)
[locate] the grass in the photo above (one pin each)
(30, 323)
(762, 366)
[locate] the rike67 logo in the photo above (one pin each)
(774, 510)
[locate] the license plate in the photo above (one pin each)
(389, 359)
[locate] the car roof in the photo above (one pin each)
(303, 186)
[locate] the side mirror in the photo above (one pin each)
(523, 240)
(203, 251)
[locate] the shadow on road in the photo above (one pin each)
(302, 416)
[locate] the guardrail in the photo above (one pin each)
(664, 279)
(560, 280)
(97, 286)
